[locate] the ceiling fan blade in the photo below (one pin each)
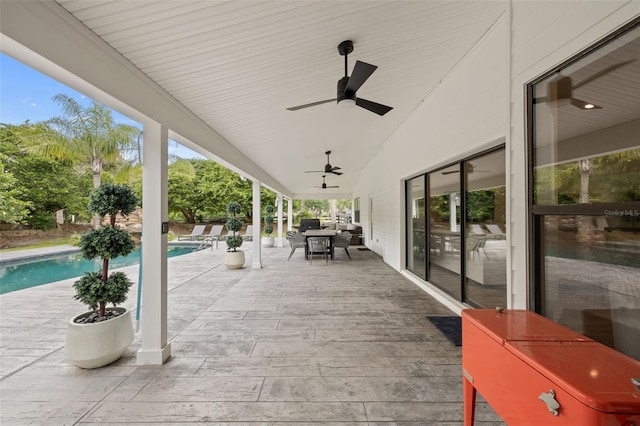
(361, 72)
(315, 171)
(333, 186)
(335, 173)
(584, 105)
(326, 101)
(451, 172)
(373, 106)
(599, 74)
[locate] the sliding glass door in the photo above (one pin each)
(416, 213)
(444, 230)
(486, 231)
(464, 254)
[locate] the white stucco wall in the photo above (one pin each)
(481, 104)
(464, 114)
(371, 185)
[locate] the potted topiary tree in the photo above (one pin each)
(100, 336)
(268, 241)
(234, 258)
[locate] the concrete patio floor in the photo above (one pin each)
(289, 344)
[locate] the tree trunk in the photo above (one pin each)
(585, 169)
(95, 219)
(189, 216)
(585, 223)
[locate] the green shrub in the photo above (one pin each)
(268, 219)
(234, 224)
(97, 289)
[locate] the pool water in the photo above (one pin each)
(27, 273)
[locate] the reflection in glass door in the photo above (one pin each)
(463, 254)
(485, 233)
(416, 243)
(585, 194)
(444, 230)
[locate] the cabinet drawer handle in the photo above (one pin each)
(550, 399)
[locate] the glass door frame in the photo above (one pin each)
(462, 189)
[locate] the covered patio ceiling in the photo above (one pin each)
(238, 66)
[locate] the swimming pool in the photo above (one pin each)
(27, 273)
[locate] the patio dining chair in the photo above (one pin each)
(296, 240)
(319, 245)
(475, 243)
(343, 240)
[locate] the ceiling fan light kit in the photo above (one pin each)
(583, 105)
(324, 184)
(347, 103)
(348, 86)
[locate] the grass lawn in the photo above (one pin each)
(46, 243)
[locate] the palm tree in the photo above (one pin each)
(86, 135)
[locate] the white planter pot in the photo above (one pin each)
(268, 241)
(233, 259)
(98, 344)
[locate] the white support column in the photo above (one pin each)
(289, 214)
(333, 209)
(257, 247)
(154, 348)
(279, 240)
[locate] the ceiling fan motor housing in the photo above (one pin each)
(563, 89)
(342, 93)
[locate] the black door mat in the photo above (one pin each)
(451, 327)
(363, 249)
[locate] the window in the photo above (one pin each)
(584, 122)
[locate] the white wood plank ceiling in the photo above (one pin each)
(239, 64)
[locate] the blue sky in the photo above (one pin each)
(26, 94)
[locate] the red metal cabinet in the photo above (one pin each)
(533, 371)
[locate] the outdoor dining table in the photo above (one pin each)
(329, 233)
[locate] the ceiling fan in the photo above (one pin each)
(348, 86)
(470, 169)
(324, 185)
(563, 88)
(328, 168)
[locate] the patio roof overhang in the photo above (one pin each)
(220, 75)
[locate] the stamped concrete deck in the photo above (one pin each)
(290, 344)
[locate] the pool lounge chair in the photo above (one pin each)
(495, 229)
(476, 229)
(196, 233)
(215, 234)
(248, 233)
